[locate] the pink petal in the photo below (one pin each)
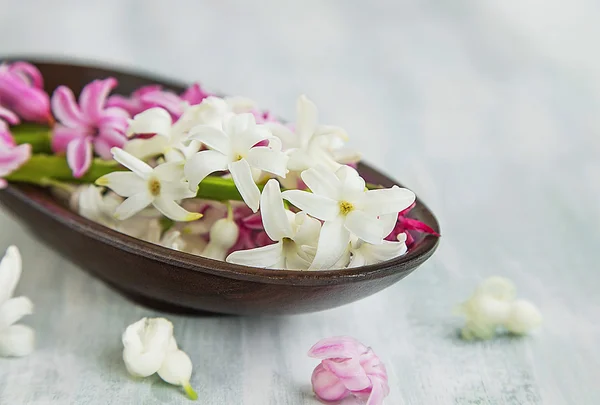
(253, 221)
(413, 224)
(406, 210)
(132, 106)
(337, 347)
(93, 97)
(33, 75)
(65, 108)
(30, 103)
(79, 156)
(113, 121)
(327, 386)
(350, 372)
(169, 101)
(13, 157)
(106, 140)
(151, 88)
(194, 94)
(62, 136)
(379, 391)
(8, 116)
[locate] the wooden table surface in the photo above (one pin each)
(489, 112)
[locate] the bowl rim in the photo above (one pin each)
(49, 205)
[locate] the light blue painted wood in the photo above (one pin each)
(489, 111)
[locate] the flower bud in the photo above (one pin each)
(523, 317)
(223, 235)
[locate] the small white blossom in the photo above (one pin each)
(232, 147)
(347, 208)
(364, 254)
(223, 235)
(161, 186)
(294, 235)
(177, 370)
(15, 340)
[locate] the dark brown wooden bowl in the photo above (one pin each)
(179, 282)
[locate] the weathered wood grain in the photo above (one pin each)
(489, 112)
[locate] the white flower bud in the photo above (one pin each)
(145, 345)
(177, 370)
(223, 235)
(523, 317)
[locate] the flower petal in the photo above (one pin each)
(176, 190)
(273, 214)
(353, 186)
(32, 73)
(13, 310)
(316, 205)
(17, 341)
(212, 137)
(174, 211)
(285, 134)
(202, 164)
(242, 177)
(333, 243)
(146, 344)
(134, 164)
(106, 140)
(93, 97)
(11, 158)
(323, 182)
(10, 273)
(342, 347)
(350, 372)
(62, 136)
(155, 120)
(307, 229)
(269, 160)
(327, 386)
(8, 116)
(79, 156)
(125, 184)
(263, 257)
(366, 227)
(146, 148)
(133, 205)
(388, 200)
(388, 223)
(176, 369)
(306, 121)
(65, 108)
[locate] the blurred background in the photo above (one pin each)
(488, 110)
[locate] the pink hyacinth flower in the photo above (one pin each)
(147, 97)
(12, 156)
(88, 126)
(405, 224)
(21, 90)
(348, 368)
(195, 94)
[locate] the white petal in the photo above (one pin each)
(273, 213)
(146, 344)
(155, 120)
(388, 223)
(366, 227)
(125, 184)
(388, 200)
(318, 206)
(353, 186)
(373, 254)
(333, 243)
(264, 257)
(145, 148)
(10, 273)
(13, 310)
(242, 177)
(202, 164)
(174, 211)
(174, 190)
(307, 229)
(269, 160)
(288, 138)
(306, 121)
(239, 104)
(133, 205)
(212, 137)
(17, 341)
(176, 369)
(346, 156)
(132, 163)
(170, 171)
(293, 261)
(323, 182)
(358, 259)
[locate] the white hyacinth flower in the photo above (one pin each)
(347, 208)
(161, 186)
(311, 144)
(150, 347)
(293, 234)
(15, 340)
(222, 236)
(364, 254)
(232, 147)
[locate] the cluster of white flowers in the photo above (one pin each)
(492, 306)
(335, 223)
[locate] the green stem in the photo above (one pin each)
(38, 136)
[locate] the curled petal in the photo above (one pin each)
(65, 108)
(212, 137)
(8, 116)
(194, 94)
(273, 213)
(350, 372)
(13, 310)
(174, 211)
(269, 160)
(133, 205)
(146, 344)
(322, 181)
(307, 116)
(10, 273)
(270, 256)
(156, 120)
(134, 164)
(388, 200)
(202, 164)
(337, 347)
(333, 243)
(327, 386)
(316, 205)
(17, 341)
(124, 184)
(242, 177)
(366, 227)
(93, 97)
(62, 136)
(12, 157)
(79, 155)
(28, 71)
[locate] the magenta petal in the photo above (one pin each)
(30, 72)
(93, 97)
(79, 156)
(62, 136)
(194, 94)
(337, 347)
(410, 223)
(253, 221)
(65, 108)
(169, 101)
(8, 116)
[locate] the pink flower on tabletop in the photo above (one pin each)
(348, 368)
(195, 94)
(89, 126)
(12, 156)
(405, 224)
(147, 97)
(21, 90)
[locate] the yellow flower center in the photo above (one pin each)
(154, 187)
(346, 207)
(238, 157)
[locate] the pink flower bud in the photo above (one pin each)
(21, 90)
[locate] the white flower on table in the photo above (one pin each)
(294, 235)
(15, 340)
(311, 144)
(150, 347)
(347, 208)
(232, 147)
(161, 186)
(364, 254)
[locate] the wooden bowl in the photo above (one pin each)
(174, 281)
